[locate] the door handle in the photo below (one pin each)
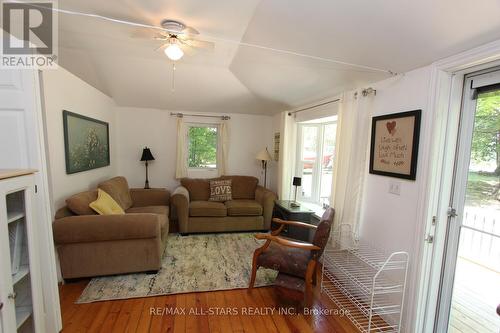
(12, 295)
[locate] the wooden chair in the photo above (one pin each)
(296, 261)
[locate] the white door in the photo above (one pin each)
(470, 280)
(22, 145)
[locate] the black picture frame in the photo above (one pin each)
(102, 153)
(417, 114)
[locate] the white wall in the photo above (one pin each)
(388, 220)
(64, 91)
(139, 127)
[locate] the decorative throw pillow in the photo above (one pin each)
(105, 204)
(220, 190)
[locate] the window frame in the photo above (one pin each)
(317, 169)
(217, 146)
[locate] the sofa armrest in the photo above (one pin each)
(266, 199)
(149, 197)
(97, 228)
(180, 200)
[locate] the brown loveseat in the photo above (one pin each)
(92, 245)
(250, 209)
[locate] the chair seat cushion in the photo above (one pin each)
(287, 260)
(243, 208)
(207, 209)
(159, 210)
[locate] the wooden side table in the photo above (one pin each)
(284, 211)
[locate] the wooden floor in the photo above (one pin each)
(235, 309)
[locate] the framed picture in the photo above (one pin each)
(277, 146)
(86, 142)
(394, 144)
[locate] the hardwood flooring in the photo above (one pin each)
(216, 311)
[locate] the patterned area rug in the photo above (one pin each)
(190, 263)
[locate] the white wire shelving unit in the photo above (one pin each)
(367, 284)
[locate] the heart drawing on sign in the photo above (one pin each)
(391, 127)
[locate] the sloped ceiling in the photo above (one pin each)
(397, 35)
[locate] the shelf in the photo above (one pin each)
(24, 271)
(14, 216)
(367, 283)
(22, 314)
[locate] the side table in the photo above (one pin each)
(283, 210)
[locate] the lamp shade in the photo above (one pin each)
(146, 155)
(264, 155)
(297, 181)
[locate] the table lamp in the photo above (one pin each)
(146, 156)
(297, 181)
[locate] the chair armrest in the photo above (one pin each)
(288, 242)
(150, 197)
(180, 201)
(266, 199)
(295, 223)
(97, 228)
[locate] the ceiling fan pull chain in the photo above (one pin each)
(173, 76)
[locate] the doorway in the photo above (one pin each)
(470, 281)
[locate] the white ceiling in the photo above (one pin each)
(397, 35)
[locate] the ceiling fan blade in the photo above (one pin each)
(188, 50)
(162, 47)
(199, 44)
(190, 31)
(161, 37)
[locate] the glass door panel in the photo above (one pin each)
(476, 277)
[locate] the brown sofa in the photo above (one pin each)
(92, 245)
(251, 207)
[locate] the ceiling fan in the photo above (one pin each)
(178, 39)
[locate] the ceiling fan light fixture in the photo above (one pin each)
(174, 52)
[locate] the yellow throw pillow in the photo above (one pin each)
(105, 204)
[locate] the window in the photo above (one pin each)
(316, 151)
(202, 146)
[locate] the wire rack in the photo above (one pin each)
(366, 283)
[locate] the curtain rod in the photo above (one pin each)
(180, 115)
(314, 106)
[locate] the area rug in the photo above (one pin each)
(190, 263)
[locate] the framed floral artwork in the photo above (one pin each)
(86, 142)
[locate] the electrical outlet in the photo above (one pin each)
(395, 188)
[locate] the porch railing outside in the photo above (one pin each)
(480, 237)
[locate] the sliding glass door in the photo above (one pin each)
(470, 283)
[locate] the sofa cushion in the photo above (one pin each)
(243, 187)
(207, 208)
(118, 189)
(105, 205)
(220, 190)
(159, 210)
(79, 203)
(199, 189)
(243, 208)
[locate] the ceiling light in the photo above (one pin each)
(174, 52)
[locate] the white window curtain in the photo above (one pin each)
(181, 165)
(288, 149)
(223, 150)
(350, 166)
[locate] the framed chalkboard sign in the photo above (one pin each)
(394, 144)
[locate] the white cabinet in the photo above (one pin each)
(20, 279)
